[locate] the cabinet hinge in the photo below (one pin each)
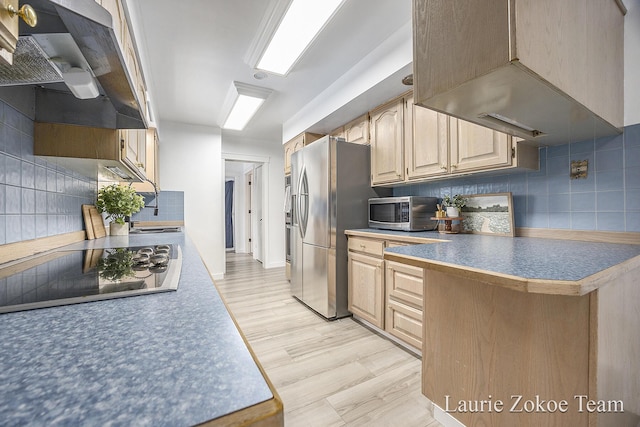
(122, 144)
(513, 152)
(249, 210)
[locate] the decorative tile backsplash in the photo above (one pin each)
(607, 200)
(37, 197)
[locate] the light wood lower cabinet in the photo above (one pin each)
(386, 294)
(404, 285)
(366, 288)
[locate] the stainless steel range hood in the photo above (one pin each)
(78, 34)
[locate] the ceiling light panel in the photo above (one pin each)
(247, 101)
(301, 24)
(243, 109)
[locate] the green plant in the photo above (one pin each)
(118, 201)
(458, 201)
(116, 265)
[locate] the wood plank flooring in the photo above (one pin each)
(335, 373)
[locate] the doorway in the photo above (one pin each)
(249, 201)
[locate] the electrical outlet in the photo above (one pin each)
(579, 169)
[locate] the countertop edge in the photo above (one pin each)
(264, 414)
(533, 286)
(394, 237)
(270, 412)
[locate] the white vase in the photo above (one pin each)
(452, 211)
(116, 229)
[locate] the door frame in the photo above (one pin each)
(265, 162)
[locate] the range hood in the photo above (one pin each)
(75, 36)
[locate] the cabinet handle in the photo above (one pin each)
(26, 12)
(362, 246)
(454, 166)
(443, 167)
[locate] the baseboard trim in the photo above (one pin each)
(17, 250)
(278, 264)
(624, 237)
(444, 418)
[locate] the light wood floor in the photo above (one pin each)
(335, 373)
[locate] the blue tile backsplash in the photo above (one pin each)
(171, 207)
(37, 198)
(607, 200)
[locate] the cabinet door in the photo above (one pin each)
(134, 146)
(288, 151)
(357, 131)
(8, 31)
(476, 147)
(387, 147)
(426, 141)
(366, 288)
(152, 166)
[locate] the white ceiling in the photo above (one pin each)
(193, 50)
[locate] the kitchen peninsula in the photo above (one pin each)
(175, 358)
(531, 319)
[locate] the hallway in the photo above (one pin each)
(327, 373)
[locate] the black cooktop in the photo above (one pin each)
(76, 276)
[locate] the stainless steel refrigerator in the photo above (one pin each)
(330, 188)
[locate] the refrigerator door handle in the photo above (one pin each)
(303, 202)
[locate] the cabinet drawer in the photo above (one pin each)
(395, 244)
(404, 322)
(371, 247)
(405, 283)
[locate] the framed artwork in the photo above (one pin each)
(488, 214)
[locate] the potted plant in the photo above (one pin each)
(454, 204)
(118, 201)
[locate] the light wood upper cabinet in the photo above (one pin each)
(426, 141)
(387, 143)
(152, 162)
(8, 31)
(546, 70)
(476, 147)
(134, 147)
(92, 151)
(357, 131)
(295, 144)
(129, 51)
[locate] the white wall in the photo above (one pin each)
(270, 153)
(632, 63)
(190, 158)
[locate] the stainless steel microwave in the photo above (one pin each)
(408, 213)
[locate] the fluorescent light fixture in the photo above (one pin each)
(81, 83)
(248, 100)
(510, 123)
(301, 24)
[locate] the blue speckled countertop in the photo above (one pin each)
(169, 359)
(525, 258)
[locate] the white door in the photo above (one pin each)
(256, 211)
(249, 218)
